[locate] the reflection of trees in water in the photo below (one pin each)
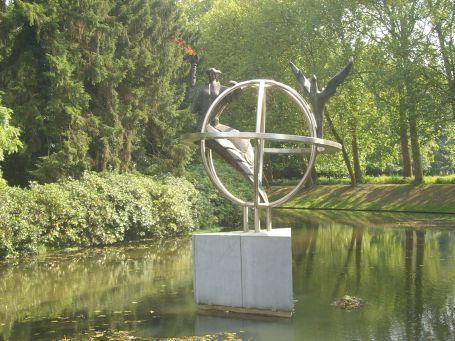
(406, 275)
(420, 249)
(424, 320)
(408, 253)
(358, 253)
(413, 282)
(97, 279)
(304, 253)
(355, 243)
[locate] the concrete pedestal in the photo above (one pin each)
(245, 272)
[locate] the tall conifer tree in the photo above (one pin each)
(93, 84)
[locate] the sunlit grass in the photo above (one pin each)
(387, 179)
(378, 197)
(381, 179)
(429, 180)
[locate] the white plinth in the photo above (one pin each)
(246, 270)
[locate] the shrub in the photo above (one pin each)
(219, 210)
(19, 230)
(322, 180)
(447, 179)
(98, 209)
(385, 179)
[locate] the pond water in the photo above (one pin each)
(402, 266)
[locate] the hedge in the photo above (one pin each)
(98, 209)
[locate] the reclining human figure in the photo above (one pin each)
(239, 153)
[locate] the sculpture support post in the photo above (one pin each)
(245, 219)
(269, 219)
(257, 221)
(259, 152)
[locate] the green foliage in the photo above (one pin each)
(9, 135)
(323, 180)
(385, 179)
(93, 85)
(19, 229)
(443, 158)
(448, 179)
(98, 209)
(219, 211)
(402, 77)
(101, 85)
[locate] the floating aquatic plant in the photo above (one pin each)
(348, 302)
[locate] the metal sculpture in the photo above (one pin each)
(237, 152)
(258, 137)
(318, 98)
(245, 150)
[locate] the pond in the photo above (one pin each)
(401, 266)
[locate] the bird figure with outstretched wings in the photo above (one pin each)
(318, 98)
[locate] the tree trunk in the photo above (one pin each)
(355, 156)
(448, 66)
(452, 94)
(125, 153)
(413, 132)
(346, 159)
(405, 156)
(313, 176)
(415, 146)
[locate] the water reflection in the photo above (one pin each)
(404, 270)
(118, 287)
(405, 274)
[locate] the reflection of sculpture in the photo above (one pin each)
(237, 152)
(319, 98)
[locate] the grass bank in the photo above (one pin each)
(369, 197)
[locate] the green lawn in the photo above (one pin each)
(402, 198)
